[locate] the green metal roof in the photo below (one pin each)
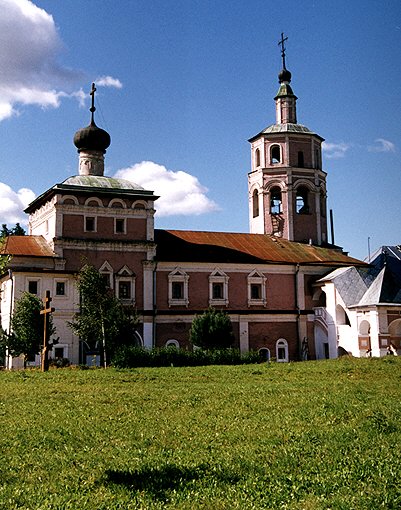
(95, 181)
(286, 128)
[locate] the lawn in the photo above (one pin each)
(312, 435)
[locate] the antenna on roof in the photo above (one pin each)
(369, 249)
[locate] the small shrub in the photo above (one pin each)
(59, 363)
(133, 357)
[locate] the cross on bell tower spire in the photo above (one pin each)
(282, 44)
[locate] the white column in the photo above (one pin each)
(148, 335)
(243, 335)
(374, 333)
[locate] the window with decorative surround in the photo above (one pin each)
(60, 288)
(218, 288)
(282, 350)
(120, 226)
(107, 272)
(256, 288)
(33, 286)
(125, 285)
(178, 288)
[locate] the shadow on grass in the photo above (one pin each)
(158, 481)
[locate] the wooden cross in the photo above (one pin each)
(281, 43)
(92, 108)
(47, 310)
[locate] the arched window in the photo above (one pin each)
(364, 337)
(264, 354)
(275, 201)
(282, 350)
(275, 154)
(255, 203)
(301, 163)
(173, 343)
(342, 318)
(257, 157)
(301, 205)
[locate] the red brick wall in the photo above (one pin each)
(73, 227)
(266, 334)
(77, 258)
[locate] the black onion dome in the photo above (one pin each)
(92, 138)
(284, 75)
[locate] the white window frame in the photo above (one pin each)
(124, 220)
(272, 146)
(94, 222)
(60, 346)
(126, 275)
(106, 268)
(178, 276)
(282, 342)
(33, 279)
(256, 278)
(218, 276)
(60, 280)
(173, 342)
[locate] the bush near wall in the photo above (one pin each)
(133, 357)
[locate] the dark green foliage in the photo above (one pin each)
(212, 330)
(16, 231)
(131, 357)
(102, 319)
(27, 327)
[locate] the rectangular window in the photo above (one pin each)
(90, 225)
(281, 353)
(120, 226)
(256, 291)
(177, 290)
(60, 288)
(217, 290)
(107, 279)
(59, 352)
(124, 290)
(33, 287)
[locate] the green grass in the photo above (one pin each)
(315, 435)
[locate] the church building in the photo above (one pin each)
(269, 281)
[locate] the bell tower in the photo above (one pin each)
(286, 184)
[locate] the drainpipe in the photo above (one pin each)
(10, 275)
(154, 306)
(298, 312)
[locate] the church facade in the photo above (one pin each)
(266, 280)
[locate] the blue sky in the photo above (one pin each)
(186, 83)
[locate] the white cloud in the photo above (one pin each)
(382, 145)
(180, 192)
(13, 203)
(109, 81)
(29, 46)
(335, 150)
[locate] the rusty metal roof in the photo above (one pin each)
(29, 246)
(194, 246)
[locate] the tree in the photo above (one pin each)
(16, 231)
(102, 317)
(4, 258)
(27, 326)
(212, 330)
